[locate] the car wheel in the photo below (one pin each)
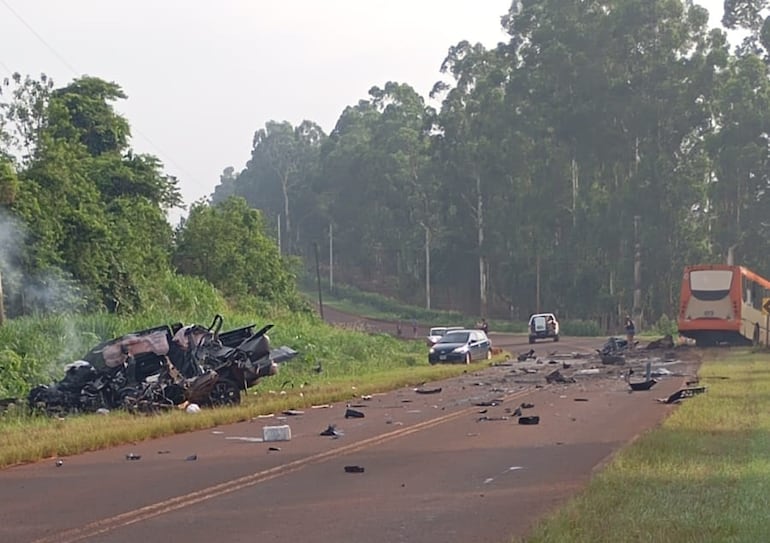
(468, 358)
(556, 338)
(225, 392)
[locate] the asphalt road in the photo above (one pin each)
(449, 466)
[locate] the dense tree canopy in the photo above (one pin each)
(603, 136)
(87, 215)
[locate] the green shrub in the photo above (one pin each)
(666, 326)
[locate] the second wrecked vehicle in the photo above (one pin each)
(163, 367)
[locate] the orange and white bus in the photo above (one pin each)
(722, 304)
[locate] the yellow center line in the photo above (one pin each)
(173, 504)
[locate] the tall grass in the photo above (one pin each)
(703, 476)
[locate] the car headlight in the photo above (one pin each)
(432, 350)
(463, 349)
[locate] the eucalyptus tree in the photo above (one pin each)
(279, 175)
(617, 95)
(473, 144)
(378, 183)
(741, 149)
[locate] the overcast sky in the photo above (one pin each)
(202, 76)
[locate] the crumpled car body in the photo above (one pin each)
(163, 367)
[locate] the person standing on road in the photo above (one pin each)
(630, 332)
(484, 326)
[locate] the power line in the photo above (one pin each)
(39, 37)
(70, 67)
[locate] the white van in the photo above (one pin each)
(542, 326)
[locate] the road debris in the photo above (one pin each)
(132, 456)
(245, 438)
(529, 355)
(354, 469)
(276, 433)
(556, 377)
(642, 385)
(529, 420)
(293, 412)
(428, 390)
(191, 458)
(682, 394)
(59, 463)
(353, 414)
(332, 431)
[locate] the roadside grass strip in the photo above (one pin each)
(702, 476)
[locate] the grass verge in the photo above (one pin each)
(28, 438)
(704, 475)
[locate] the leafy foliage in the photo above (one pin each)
(226, 245)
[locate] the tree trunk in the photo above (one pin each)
(286, 217)
(2, 305)
(482, 261)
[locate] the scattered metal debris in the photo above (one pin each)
(353, 414)
(529, 420)
(293, 412)
(354, 469)
(331, 431)
(191, 458)
(526, 405)
(59, 463)
(428, 390)
(556, 377)
(682, 394)
(529, 355)
(642, 385)
(580, 399)
(132, 456)
(273, 448)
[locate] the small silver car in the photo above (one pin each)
(461, 346)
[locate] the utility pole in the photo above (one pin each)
(2, 306)
(331, 257)
(427, 266)
(279, 234)
(318, 279)
(637, 269)
(537, 284)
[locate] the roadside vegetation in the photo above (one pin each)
(704, 475)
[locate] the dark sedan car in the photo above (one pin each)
(461, 346)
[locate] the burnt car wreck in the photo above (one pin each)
(163, 367)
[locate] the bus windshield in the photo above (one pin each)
(710, 284)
